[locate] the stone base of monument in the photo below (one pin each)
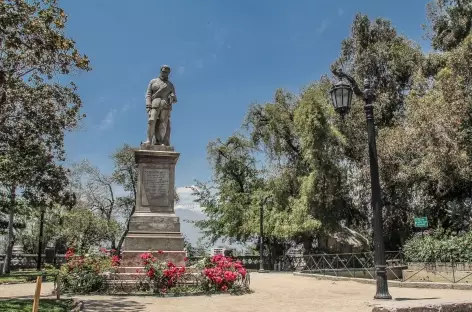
(132, 259)
(154, 227)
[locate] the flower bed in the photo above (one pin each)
(97, 272)
(86, 273)
(218, 274)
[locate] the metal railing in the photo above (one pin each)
(249, 262)
(29, 261)
(362, 265)
(345, 264)
(357, 265)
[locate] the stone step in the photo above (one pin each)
(130, 276)
(132, 258)
(127, 276)
(123, 269)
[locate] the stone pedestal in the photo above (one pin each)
(154, 226)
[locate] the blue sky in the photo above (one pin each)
(224, 56)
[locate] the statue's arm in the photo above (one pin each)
(173, 95)
(149, 95)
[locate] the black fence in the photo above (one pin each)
(358, 265)
(362, 265)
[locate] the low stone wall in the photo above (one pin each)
(438, 272)
(447, 307)
(393, 273)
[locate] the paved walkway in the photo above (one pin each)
(272, 292)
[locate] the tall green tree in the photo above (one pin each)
(35, 110)
(227, 200)
(309, 169)
(375, 51)
(289, 165)
(432, 144)
(450, 22)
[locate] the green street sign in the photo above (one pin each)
(421, 222)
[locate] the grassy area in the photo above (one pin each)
(45, 305)
(6, 279)
(24, 277)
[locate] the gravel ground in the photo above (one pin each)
(272, 292)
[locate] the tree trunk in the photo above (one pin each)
(123, 235)
(112, 242)
(11, 237)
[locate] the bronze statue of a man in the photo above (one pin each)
(160, 97)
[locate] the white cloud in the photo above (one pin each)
(181, 70)
(186, 199)
(340, 12)
(109, 120)
(321, 29)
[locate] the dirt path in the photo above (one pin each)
(272, 292)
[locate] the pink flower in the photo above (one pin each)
(115, 261)
(146, 255)
(242, 271)
(70, 253)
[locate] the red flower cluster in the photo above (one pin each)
(115, 261)
(224, 272)
(70, 253)
(173, 274)
(221, 273)
(95, 263)
(163, 275)
(147, 258)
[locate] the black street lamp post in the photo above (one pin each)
(341, 95)
(40, 239)
(261, 235)
(261, 239)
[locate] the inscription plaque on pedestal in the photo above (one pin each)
(156, 183)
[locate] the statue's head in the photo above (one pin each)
(165, 71)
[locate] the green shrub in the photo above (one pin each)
(83, 274)
(439, 247)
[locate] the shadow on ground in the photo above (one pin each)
(113, 305)
(408, 299)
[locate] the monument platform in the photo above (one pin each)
(154, 226)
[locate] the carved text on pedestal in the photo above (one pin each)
(156, 183)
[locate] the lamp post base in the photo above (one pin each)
(379, 296)
(382, 283)
(262, 271)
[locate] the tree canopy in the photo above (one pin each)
(35, 109)
(309, 169)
